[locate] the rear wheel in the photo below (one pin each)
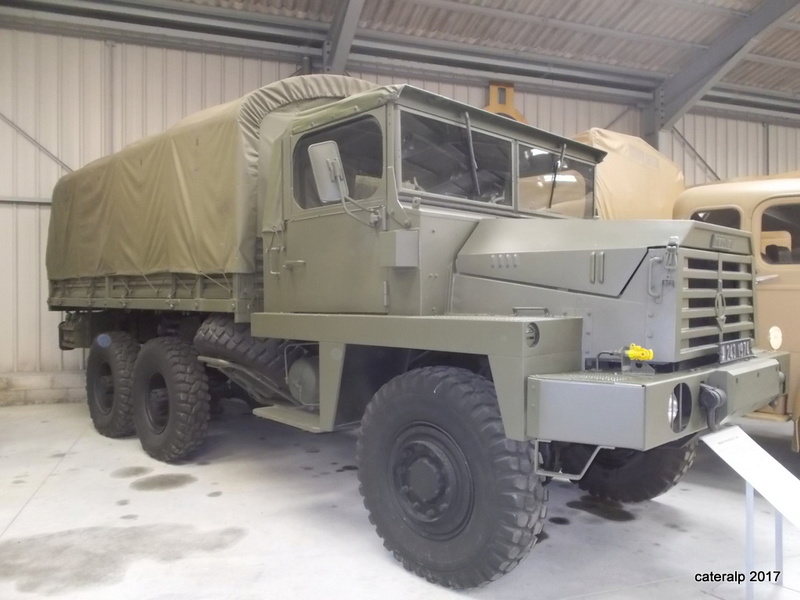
(171, 399)
(109, 370)
(630, 475)
(455, 500)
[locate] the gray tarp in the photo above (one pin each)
(183, 201)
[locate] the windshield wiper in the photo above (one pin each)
(473, 164)
(556, 169)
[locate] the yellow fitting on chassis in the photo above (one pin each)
(635, 352)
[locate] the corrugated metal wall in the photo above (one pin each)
(709, 148)
(71, 100)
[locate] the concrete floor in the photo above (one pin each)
(265, 511)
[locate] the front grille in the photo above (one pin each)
(705, 276)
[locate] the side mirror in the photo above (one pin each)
(326, 164)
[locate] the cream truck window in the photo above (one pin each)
(361, 147)
(780, 234)
(729, 217)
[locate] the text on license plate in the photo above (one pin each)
(735, 349)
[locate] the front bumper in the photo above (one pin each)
(632, 410)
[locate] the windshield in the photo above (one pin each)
(451, 159)
(437, 158)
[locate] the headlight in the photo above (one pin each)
(775, 337)
(679, 407)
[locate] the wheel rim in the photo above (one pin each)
(431, 481)
(157, 403)
(104, 390)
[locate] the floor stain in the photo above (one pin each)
(123, 502)
(18, 481)
(126, 472)
(129, 517)
(162, 482)
(559, 520)
(214, 494)
(677, 528)
(611, 511)
(58, 455)
(347, 468)
(308, 468)
(312, 450)
(66, 561)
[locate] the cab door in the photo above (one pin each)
(329, 259)
(776, 243)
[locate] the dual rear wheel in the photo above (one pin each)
(159, 390)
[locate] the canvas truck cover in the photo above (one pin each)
(183, 201)
(634, 181)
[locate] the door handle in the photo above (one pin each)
(763, 278)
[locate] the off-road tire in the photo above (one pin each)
(171, 399)
(454, 500)
(109, 370)
(629, 475)
(220, 337)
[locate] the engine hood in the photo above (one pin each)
(596, 257)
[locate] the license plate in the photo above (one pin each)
(735, 350)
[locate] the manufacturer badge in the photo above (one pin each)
(719, 309)
(721, 242)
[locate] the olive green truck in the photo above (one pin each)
(342, 254)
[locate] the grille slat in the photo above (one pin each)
(695, 313)
(706, 275)
(695, 332)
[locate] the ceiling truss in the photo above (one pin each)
(334, 47)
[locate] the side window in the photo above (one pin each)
(729, 217)
(544, 183)
(361, 147)
(780, 234)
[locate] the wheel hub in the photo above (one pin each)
(104, 392)
(432, 481)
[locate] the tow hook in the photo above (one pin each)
(715, 404)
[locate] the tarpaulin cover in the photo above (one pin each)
(634, 181)
(183, 201)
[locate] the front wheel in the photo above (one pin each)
(171, 399)
(631, 475)
(455, 500)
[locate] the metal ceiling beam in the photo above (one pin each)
(472, 76)
(173, 16)
(499, 13)
(771, 60)
(340, 38)
(681, 91)
(162, 36)
(428, 50)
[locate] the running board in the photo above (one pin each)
(299, 418)
(288, 415)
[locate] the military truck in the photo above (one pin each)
(352, 254)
